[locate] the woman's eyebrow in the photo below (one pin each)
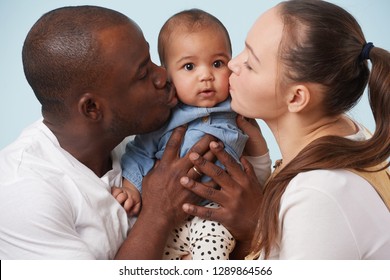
(252, 52)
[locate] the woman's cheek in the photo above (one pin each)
(239, 105)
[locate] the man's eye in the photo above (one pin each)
(189, 66)
(143, 75)
(218, 63)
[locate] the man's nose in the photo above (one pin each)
(159, 77)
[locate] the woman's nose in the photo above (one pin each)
(233, 66)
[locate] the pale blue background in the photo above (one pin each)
(19, 107)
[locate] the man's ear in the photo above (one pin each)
(90, 107)
(298, 98)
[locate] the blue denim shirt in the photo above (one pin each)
(219, 121)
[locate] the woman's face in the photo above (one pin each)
(253, 80)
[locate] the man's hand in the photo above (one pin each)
(162, 199)
(239, 196)
(161, 189)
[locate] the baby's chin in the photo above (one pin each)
(208, 102)
(206, 105)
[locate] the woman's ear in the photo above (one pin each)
(298, 98)
(90, 107)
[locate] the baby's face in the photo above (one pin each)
(197, 65)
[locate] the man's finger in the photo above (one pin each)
(202, 147)
(204, 191)
(203, 212)
(230, 164)
(174, 143)
(213, 171)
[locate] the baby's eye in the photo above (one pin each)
(218, 63)
(189, 66)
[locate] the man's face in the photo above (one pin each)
(136, 91)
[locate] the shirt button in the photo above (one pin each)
(205, 119)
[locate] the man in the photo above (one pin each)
(90, 69)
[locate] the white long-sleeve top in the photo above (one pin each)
(332, 214)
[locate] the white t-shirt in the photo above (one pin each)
(54, 207)
(332, 214)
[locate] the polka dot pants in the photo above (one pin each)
(199, 239)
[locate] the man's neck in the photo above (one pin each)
(93, 152)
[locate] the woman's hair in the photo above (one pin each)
(322, 43)
(192, 20)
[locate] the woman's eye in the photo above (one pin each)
(247, 65)
(218, 63)
(189, 66)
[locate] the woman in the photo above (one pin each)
(304, 66)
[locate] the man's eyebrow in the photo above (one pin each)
(144, 62)
(252, 52)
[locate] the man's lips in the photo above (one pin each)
(172, 99)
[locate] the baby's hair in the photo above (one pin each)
(192, 20)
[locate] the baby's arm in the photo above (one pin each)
(128, 196)
(136, 162)
(256, 144)
(256, 149)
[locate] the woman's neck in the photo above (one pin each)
(295, 132)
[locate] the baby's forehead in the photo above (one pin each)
(199, 33)
(196, 28)
(184, 38)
